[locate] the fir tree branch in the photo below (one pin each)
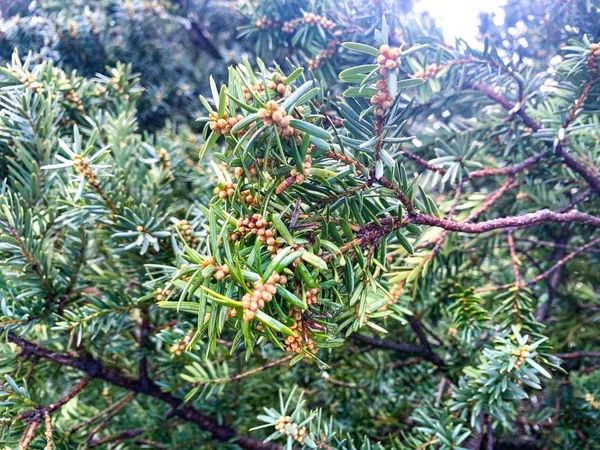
(39, 412)
(409, 349)
(513, 258)
(586, 173)
(125, 399)
(524, 221)
(95, 369)
(251, 372)
(563, 261)
(578, 355)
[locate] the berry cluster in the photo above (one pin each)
(428, 72)
(387, 60)
(521, 355)
(295, 344)
(225, 190)
(285, 426)
(315, 19)
(592, 401)
(83, 169)
(223, 125)
(272, 114)
(257, 87)
(74, 100)
(262, 293)
(161, 294)
(277, 84)
(179, 347)
(306, 172)
(595, 49)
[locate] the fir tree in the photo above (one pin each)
(391, 245)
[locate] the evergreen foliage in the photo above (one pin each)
(368, 240)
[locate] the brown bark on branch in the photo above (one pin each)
(408, 349)
(524, 221)
(586, 173)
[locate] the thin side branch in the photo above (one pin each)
(95, 369)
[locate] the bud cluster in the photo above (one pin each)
(306, 171)
(428, 72)
(285, 426)
(323, 54)
(289, 26)
(164, 159)
(74, 100)
(93, 25)
(257, 87)
(179, 347)
(277, 84)
(82, 167)
(253, 168)
(521, 355)
(29, 82)
(223, 125)
(161, 294)
(208, 261)
(187, 231)
(72, 28)
(272, 114)
(295, 248)
(262, 293)
(225, 190)
(312, 296)
(395, 292)
(231, 312)
(254, 224)
(592, 63)
(295, 344)
(221, 272)
(315, 19)
(248, 198)
(595, 404)
(263, 23)
(239, 172)
(389, 59)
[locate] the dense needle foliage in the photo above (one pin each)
(368, 238)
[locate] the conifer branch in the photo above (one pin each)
(95, 369)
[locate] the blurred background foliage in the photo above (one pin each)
(176, 44)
